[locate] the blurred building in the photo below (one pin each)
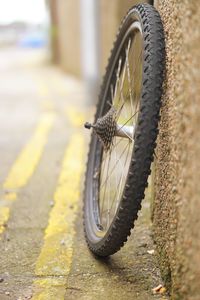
(11, 33)
(25, 25)
(66, 30)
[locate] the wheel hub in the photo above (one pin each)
(105, 128)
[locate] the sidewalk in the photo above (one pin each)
(43, 151)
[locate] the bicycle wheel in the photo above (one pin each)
(124, 131)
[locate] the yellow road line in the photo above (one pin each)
(76, 117)
(28, 159)
(54, 261)
(4, 215)
(42, 89)
(47, 104)
(24, 166)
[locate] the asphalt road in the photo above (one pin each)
(43, 150)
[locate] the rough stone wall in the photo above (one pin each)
(176, 209)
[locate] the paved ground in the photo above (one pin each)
(42, 156)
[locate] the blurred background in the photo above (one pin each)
(77, 35)
(53, 54)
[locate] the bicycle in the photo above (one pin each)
(124, 131)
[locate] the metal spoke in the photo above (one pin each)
(101, 185)
(117, 75)
(113, 146)
(120, 186)
(123, 75)
(131, 83)
(105, 186)
(128, 120)
(117, 192)
(129, 80)
(124, 96)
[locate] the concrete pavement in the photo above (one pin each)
(43, 150)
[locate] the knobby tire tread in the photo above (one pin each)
(146, 133)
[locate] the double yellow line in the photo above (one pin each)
(54, 262)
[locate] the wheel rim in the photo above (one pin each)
(112, 165)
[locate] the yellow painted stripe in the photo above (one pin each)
(10, 196)
(42, 89)
(47, 105)
(4, 215)
(59, 86)
(56, 254)
(28, 159)
(42, 84)
(76, 117)
(24, 166)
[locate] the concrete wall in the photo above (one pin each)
(65, 16)
(66, 40)
(176, 214)
(69, 35)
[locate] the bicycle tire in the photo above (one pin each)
(145, 135)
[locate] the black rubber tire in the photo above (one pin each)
(145, 135)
